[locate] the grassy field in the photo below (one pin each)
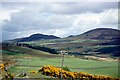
(29, 59)
(75, 64)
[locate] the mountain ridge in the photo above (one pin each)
(35, 37)
(102, 33)
(98, 33)
(81, 44)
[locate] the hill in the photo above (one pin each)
(100, 33)
(35, 37)
(97, 41)
(100, 41)
(14, 51)
(33, 54)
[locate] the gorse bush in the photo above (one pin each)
(56, 72)
(66, 68)
(6, 75)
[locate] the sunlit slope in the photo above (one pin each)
(18, 50)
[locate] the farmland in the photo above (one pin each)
(29, 59)
(84, 55)
(75, 65)
(80, 46)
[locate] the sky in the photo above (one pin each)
(21, 19)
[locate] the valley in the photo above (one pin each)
(27, 62)
(97, 56)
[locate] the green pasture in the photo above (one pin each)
(75, 65)
(27, 62)
(54, 41)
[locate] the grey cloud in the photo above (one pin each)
(8, 35)
(82, 7)
(26, 20)
(64, 7)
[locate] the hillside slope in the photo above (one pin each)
(17, 50)
(101, 33)
(35, 37)
(96, 41)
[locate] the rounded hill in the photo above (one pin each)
(101, 33)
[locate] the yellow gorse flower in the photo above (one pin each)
(56, 72)
(2, 66)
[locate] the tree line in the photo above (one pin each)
(42, 48)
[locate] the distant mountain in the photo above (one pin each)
(100, 33)
(35, 37)
(104, 41)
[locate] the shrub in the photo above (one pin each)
(66, 68)
(56, 72)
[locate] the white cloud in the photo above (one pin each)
(88, 21)
(109, 17)
(6, 14)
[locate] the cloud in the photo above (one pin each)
(26, 20)
(59, 19)
(77, 8)
(110, 17)
(60, 1)
(62, 7)
(6, 14)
